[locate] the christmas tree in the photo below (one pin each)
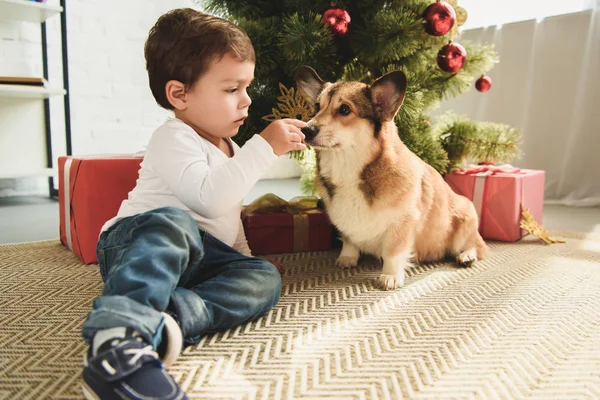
(361, 41)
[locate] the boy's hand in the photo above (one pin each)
(284, 135)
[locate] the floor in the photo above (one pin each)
(27, 219)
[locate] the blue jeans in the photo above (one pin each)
(161, 259)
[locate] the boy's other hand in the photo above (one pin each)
(284, 135)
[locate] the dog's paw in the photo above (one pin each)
(467, 258)
(345, 262)
(389, 282)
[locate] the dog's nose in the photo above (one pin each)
(310, 131)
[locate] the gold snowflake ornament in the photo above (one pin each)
(529, 223)
(291, 105)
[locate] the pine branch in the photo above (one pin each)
(304, 40)
(464, 140)
(390, 36)
(261, 33)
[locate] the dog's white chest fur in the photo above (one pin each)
(348, 208)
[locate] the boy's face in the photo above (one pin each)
(217, 104)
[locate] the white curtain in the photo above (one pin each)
(547, 84)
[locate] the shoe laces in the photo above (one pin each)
(135, 354)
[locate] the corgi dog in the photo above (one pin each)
(382, 197)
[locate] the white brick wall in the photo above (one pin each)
(112, 109)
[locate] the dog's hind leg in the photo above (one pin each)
(467, 257)
(468, 246)
(349, 255)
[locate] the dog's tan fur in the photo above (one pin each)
(382, 197)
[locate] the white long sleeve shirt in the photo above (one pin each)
(182, 169)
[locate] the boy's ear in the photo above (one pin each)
(387, 95)
(309, 84)
(176, 94)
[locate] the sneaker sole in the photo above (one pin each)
(88, 393)
(174, 341)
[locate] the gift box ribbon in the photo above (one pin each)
(482, 172)
(67, 205)
(486, 170)
(299, 207)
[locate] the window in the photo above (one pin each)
(497, 12)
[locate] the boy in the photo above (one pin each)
(174, 260)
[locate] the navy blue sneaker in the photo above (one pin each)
(121, 365)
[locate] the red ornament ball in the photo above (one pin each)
(484, 83)
(439, 18)
(451, 57)
(338, 19)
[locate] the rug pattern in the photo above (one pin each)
(522, 324)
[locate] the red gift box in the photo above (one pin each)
(280, 229)
(498, 193)
(91, 189)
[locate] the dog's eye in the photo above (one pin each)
(344, 110)
(317, 107)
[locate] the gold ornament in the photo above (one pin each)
(530, 225)
(461, 15)
(291, 105)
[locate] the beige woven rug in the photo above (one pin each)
(523, 324)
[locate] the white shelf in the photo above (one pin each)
(31, 92)
(26, 10)
(23, 149)
(29, 174)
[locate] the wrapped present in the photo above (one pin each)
(273, 225)
(499, 193)
(91, 189)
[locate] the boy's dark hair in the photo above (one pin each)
(183, 43)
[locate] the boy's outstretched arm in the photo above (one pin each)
(212, 192)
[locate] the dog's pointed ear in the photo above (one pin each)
(309, 84)
(387, 95)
